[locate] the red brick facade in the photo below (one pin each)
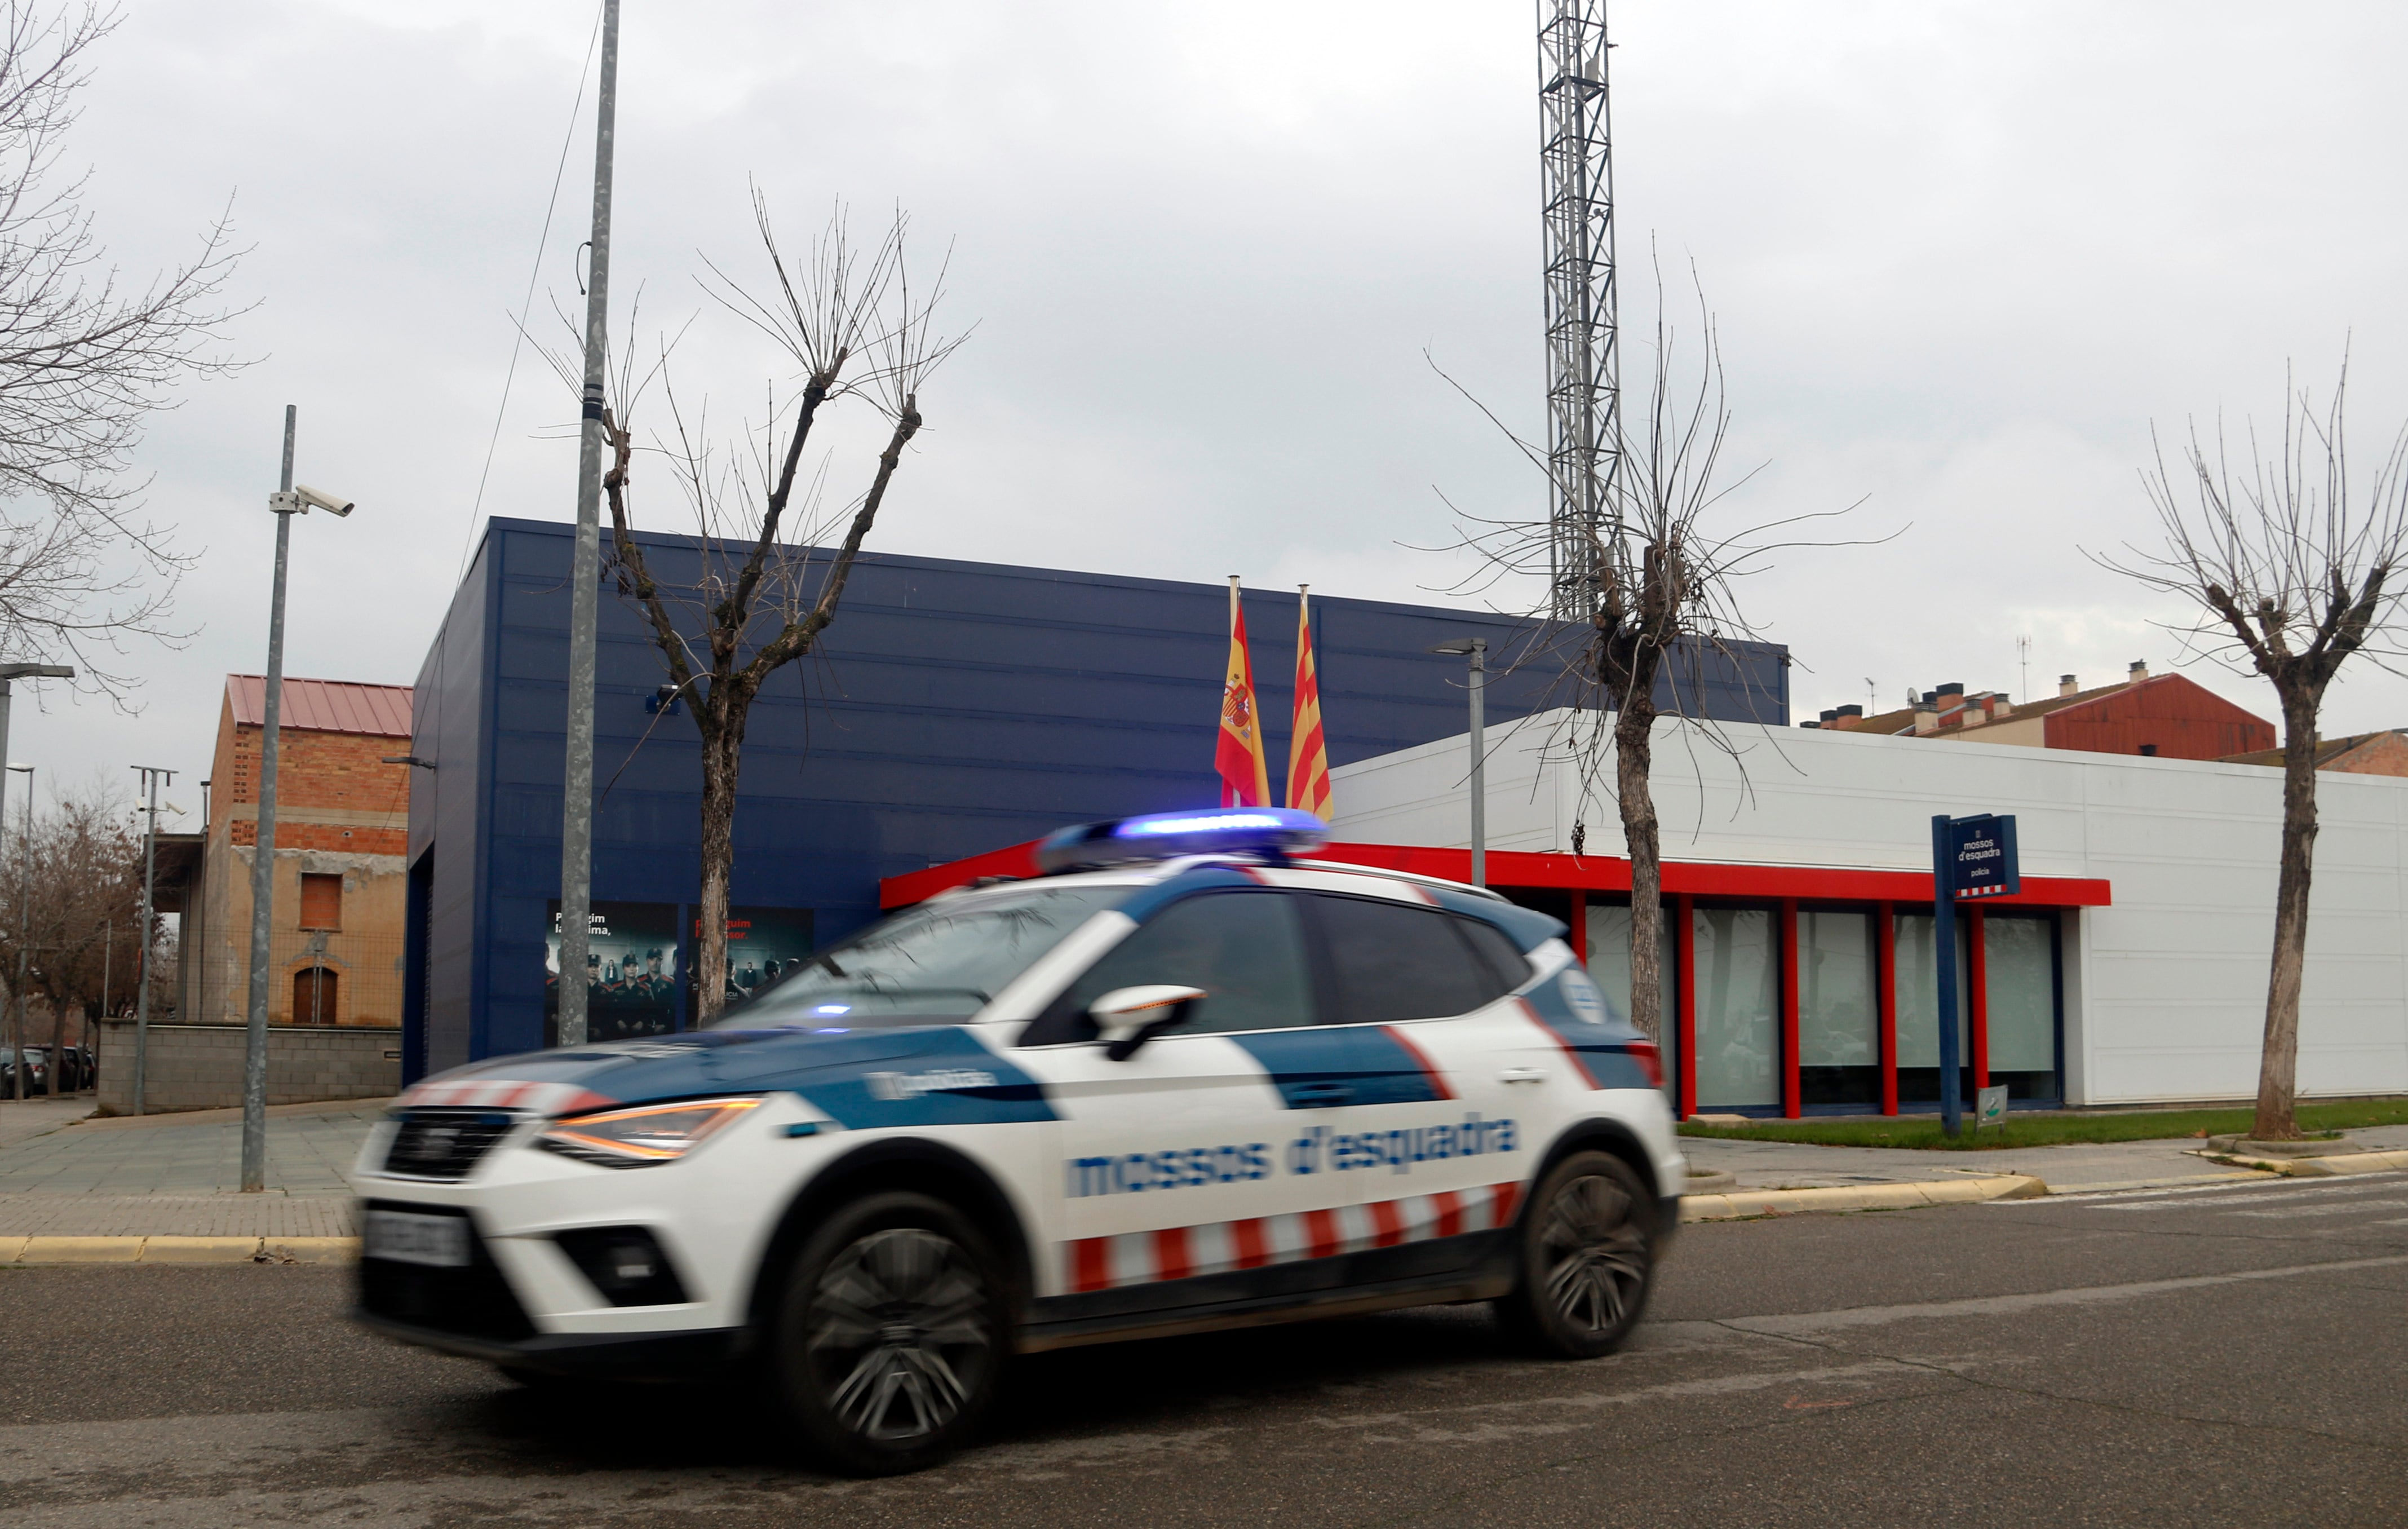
(318, 775)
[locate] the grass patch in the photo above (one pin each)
(1923, 1130)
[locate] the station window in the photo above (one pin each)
(1918, 1010)
(1838, 1008)
(1737, 990)
(2020, 958)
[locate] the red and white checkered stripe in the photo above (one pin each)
(1180, 1252)
(506, 1093)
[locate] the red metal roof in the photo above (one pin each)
(381, 711)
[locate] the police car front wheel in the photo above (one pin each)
(890, 1336)
(1586, 1249)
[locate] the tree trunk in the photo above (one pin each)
(722, 760)
(1633, 757)
(2278, 1065)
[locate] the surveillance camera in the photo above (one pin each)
(328, 502)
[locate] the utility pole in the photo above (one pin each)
(24, 933)
(577, 776)
(263, 850)
(1476, 650)
(149, 869)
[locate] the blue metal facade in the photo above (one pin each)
(954, 708)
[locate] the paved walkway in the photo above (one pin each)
(182, 1175)
(1795, 1165)
(20, 1118)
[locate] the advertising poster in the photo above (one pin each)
(762, 945)
(631, 971)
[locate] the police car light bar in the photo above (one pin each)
(1161, 836)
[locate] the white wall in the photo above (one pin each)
(2166, 994)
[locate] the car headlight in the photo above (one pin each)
(649, 1133)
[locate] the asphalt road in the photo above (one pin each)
(2225, 1356)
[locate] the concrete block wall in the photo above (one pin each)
(196, 1067)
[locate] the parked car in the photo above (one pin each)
(38, 1071)
(66, 1067)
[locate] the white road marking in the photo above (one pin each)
(2011, 1305)
(2345, 1208)
(2245, 1193)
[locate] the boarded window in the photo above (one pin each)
(314, 993)
(322, 902)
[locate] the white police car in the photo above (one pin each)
(1182, 1081)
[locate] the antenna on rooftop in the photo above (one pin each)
(2023, 658)
(1583, 370)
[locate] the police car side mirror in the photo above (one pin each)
(1128, 1017)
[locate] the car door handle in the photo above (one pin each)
(1316, 1096)
(1523, 1075)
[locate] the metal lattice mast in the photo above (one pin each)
(1583, 377)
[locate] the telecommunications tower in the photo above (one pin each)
(1583, 377)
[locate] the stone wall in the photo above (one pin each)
(195, 1067)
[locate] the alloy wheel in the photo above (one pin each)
(1593, 1252)
(899, 1334)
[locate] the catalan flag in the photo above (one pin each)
(1245, 781)
(1308, 758)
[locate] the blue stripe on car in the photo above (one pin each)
(1365, 1061)
(1603, 1041)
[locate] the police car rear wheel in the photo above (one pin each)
(1587, 1258)
(890, 1341)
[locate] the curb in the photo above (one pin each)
(2350, 1162)
(1951, 1191)
(29, 1251)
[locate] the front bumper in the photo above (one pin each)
(596, 1356)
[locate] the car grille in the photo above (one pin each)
(475, 1302)
(444, 1143)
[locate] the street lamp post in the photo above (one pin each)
(142, 991)
(1476, 650)
(290, 499)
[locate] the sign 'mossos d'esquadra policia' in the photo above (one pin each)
(1982, 857)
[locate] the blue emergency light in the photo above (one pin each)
(1162, 836)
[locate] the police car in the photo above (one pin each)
(1184, 1080)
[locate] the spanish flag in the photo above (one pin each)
(1245, 781)
(1307, 759)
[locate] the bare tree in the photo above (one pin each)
(85, 360)
(2291, 568)
(70, 901)
(1664, 584)
(852, 322)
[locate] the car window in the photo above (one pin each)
(940, 960)
(1512, 967)
(1246, 949)
(1394, 960)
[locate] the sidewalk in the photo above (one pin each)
(181, 1176)
(1795, 1165)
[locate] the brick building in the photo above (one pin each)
(342, 821)
(2167, 716)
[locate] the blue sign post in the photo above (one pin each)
(1971, 859)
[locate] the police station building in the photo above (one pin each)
(1798, 924)
(959, 711)
(954, 707)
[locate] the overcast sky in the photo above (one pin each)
(1962, 255)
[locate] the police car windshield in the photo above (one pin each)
(940, 960)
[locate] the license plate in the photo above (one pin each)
(406, 1237)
